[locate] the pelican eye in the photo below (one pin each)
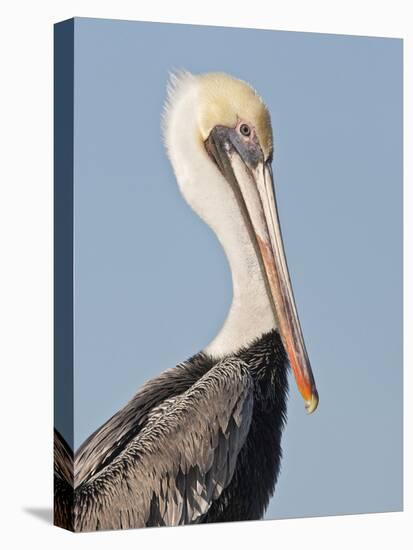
(245, 130)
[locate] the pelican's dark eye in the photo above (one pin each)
(245, 130)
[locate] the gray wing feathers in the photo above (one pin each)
(98, 450)
(179, 463)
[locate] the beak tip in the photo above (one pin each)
(312, 404)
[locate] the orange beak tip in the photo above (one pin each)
(312, 403)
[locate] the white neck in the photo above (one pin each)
(250, 314)
(213, 199)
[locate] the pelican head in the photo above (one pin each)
(218, 136)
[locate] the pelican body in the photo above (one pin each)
(201, 442)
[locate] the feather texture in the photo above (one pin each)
(199, 443)
(177, 447)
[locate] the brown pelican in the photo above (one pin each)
(202, 441)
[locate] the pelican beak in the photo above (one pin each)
(242, 164)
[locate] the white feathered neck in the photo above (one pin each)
(212, 198)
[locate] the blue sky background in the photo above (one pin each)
(152, 285)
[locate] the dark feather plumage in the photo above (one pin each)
(200, 443)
